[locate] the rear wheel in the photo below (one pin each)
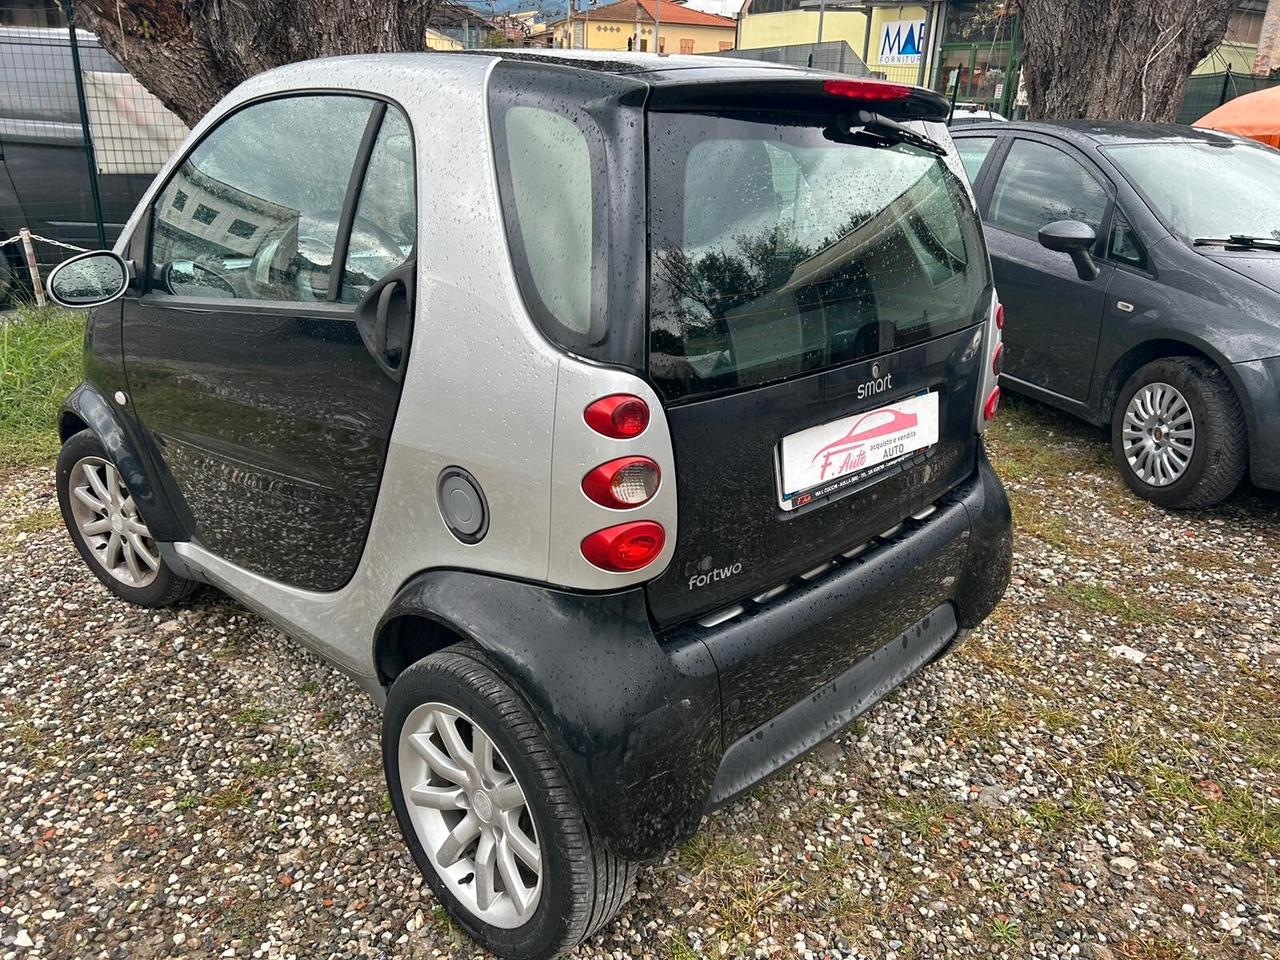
(488, 813)
(1179, 435)
(102, 518)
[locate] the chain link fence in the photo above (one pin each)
(80, 139)
(1209, 90)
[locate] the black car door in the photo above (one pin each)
(1053, 318)
(270, 249)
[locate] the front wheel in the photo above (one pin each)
(105, 526)
(1179, 434)
(489, 815)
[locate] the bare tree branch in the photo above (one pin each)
(189, 53)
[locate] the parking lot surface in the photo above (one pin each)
(1096, 774)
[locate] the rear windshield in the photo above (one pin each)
(777, 251)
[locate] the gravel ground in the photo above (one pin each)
(1095, 774)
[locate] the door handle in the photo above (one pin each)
(384, 318)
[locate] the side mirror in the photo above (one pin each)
(88, 280)
(1075, 239)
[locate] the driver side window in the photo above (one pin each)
(254, 211)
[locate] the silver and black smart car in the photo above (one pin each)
(618, 422)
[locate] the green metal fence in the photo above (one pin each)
(1206, 91)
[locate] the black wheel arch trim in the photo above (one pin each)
(87, 408)
(611, 697)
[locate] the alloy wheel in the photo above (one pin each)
(107, 517)
(470, 815)
(1159, 434)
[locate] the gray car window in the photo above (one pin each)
(973, 152)
(253, 212)
(1039, 184)
(382, 234)
(550, 181)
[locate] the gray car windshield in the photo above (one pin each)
(1207, 190)
(777, 250)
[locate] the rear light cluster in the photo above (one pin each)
(622, 484)
(619, 417)
(626, 547)
(992, 405)
(992, 402)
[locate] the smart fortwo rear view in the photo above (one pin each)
(624, 471)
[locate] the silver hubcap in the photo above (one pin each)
(470, 815)
(108, 519)
(1159, 434)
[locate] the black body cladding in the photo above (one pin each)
(643, 722)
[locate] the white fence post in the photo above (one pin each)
(29, 251)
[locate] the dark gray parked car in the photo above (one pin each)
(44, 176)
(1139, 265)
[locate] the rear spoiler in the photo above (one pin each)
(816, 94)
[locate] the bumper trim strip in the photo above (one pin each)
(831, 707)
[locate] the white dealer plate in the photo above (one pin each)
(824, 459)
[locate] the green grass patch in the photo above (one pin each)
(706, 852)
(923, 818)
(145, 741)
(1230, 818)
(1005, 931)
(232, 797)
(1106, 602)
(251, 716)
(40, 363)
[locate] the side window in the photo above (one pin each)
(973, 152)
(254, 211)
(1123, 244)
(386, 222)
(1039, 184)
(551, 178)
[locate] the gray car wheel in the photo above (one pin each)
(1179, 434)
(111, 535)
(489, 814)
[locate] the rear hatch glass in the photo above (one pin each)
(815, 301)
(778, 251)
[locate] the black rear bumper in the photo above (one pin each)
(655, 728)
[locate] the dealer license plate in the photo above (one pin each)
(830, 457)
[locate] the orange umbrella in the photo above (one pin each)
(1255, 115)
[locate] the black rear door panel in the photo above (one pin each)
(730, 522)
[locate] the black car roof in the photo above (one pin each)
(1101, 132)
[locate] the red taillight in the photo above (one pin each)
(626, 547)
(997, 360)
(622, 483)
(992, 405)
(866, 89)
(620, 416)
(999, 316)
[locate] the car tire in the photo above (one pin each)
(580, 885)
(123, 534)
(1159, 397)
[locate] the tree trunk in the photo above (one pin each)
(1115, 59)
(1268, 57)
(189, 53)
